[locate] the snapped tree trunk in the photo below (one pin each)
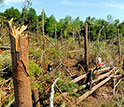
(20, 61)
(55, 34)
(79, 40)
(43, 29)
(37, 36)
(119, 47)
(86, 47)
(73, 33)
(61, 38)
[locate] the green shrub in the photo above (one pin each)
(67, 86)
(34, 69)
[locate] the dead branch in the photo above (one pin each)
(52, 93)
(74, 51)
(117, 84)
(49, 41)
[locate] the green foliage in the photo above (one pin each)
(65, 85)
(38, 86)
(12, 13)
(34, 69)
(51, 25)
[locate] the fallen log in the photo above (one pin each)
(83, 86)
(99, 78)
(84, 96)
(83, 76)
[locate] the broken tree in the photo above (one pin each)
(119, 47)
(20, 61)
(86, 47)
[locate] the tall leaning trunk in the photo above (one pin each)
(86, 47)
(21, 79)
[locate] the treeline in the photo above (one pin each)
(68, 27)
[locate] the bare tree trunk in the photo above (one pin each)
(119, 47)
(55, 34)
(36, 97)
(86, 47)
(43, 29)
(20, 79)
(61, 37)
(43, 36)
(73, 33)
(20, 61)
(79, 40)
(37, 36)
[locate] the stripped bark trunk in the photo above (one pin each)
(86, 47)
(73, 33)
(79, 40)
(43, 29)
(61, 38)
(37, 36)
(119, 47)
(43, 36)
(55, 34)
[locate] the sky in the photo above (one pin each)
(74, 8)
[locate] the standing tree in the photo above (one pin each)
(43, 29)
(86, 48)
(51, 26)
(119, 47)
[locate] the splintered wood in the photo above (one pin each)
(20, 61)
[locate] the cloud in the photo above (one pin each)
(116, 5)
(9, 2)
(37, 1)
(99, 4)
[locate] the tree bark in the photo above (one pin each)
(73, 33)
(20, 61)
(119, 47)
(86, 48)
(21, 80)
(61, 38)
(55, 34)
(36, 97)
(79, 40)
(84, 96)
(43, 29)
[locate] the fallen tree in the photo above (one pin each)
(84, 96)
(83, 86)
(83, 76)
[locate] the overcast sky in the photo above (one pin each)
(74, 8)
